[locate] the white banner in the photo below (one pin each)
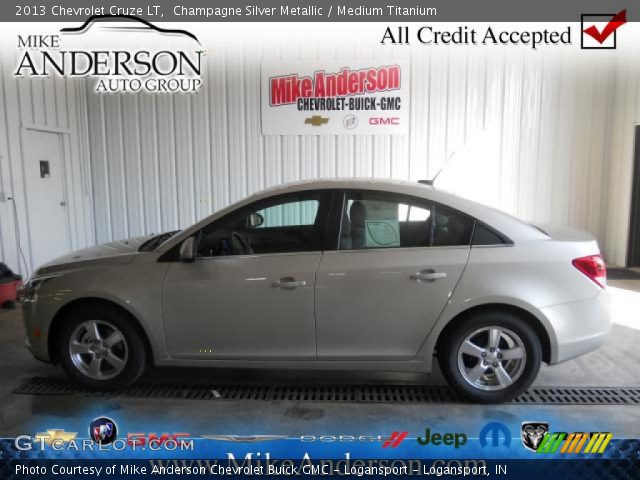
(334, 97)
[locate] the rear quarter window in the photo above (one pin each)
(451, 228)
(483, 235)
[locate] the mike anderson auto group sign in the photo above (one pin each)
(320, 98)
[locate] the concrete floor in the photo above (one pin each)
(616, 364)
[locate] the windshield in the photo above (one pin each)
(154, 242)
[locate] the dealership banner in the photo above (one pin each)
(335, 97)
(308, 11)
(232, 468)
(124, 446)
(304, 457)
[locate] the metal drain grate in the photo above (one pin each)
(581, 396)
(334, 394)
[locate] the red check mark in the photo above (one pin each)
(616, 22)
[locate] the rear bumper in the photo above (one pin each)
(579, 327)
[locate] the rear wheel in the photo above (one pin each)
(490, 357)
(101, 348)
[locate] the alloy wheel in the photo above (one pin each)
(492, 358)
(98, 349)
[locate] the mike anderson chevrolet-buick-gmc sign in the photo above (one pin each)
(335, 97)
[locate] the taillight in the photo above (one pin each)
(593, 267)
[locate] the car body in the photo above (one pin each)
(338, 274)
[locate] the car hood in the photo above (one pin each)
(112, 253)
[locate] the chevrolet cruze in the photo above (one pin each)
(340, 274)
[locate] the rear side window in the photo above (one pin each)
(483, 235)
(384, 220)
(451, 228)
(390, 220)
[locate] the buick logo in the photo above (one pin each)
(532, 434)
(350, 122)
(103, 430)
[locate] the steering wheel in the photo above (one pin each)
(237, 239)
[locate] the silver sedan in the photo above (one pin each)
(340, 274)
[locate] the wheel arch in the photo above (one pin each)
(534, 322)
(58, 319)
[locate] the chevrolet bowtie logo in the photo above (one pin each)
(51, 435)
(316, 120)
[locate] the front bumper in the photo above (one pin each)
(579, 327)
(37, 331)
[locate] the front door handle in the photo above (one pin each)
(288, 283)
(428, 276)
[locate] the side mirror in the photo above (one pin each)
(188, 250)
(254, 220)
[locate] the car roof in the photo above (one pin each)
(357, 183)
(512, 227)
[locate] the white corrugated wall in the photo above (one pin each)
(548, 118)
(550, 132)
(47, 104)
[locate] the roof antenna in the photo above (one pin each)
(433, 180)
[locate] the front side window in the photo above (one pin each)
(384, 220)
(290, 214)
(291, 223)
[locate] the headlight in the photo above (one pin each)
(20, 292)
(34, 284)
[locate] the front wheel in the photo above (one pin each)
(491, 357)
(101, 348)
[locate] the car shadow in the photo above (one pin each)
(244, 376)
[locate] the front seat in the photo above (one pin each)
(358, 217)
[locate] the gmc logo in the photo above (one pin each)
(152, 439)
(384, 121)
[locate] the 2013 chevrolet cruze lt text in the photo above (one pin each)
(338, 274)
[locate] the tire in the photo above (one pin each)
(461, 362)
(120, 364)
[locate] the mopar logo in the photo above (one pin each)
(496, 432)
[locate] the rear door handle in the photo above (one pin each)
(428, 276)
(288, 283)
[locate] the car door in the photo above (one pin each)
(249, 293)
(397, 261)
